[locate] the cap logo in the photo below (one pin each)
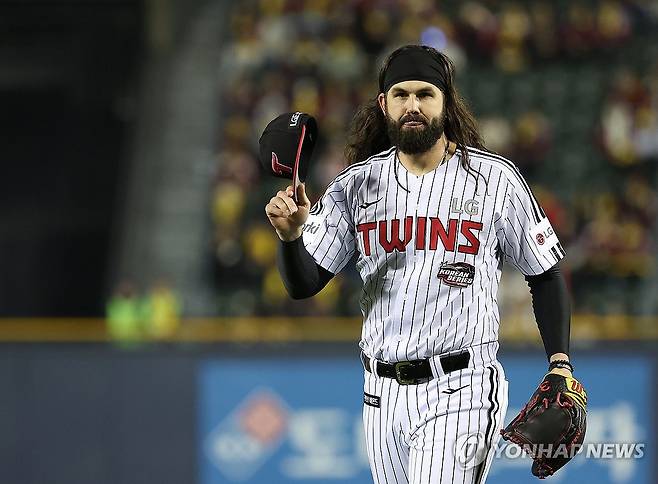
(278, 168)
(294, 119)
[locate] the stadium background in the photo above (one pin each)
(146, 336)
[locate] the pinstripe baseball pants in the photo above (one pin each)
(443, 431)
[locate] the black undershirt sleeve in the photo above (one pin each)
(550, 301)
(302, 276)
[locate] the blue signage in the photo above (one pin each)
(300, 421)
(282, 421)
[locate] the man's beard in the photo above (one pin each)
(414, 140)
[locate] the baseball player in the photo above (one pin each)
(431, 216)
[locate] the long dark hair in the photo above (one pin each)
(367, 133)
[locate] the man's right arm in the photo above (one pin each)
(302, 276)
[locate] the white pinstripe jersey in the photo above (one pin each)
(430, 248)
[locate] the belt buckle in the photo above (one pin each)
(398, 373)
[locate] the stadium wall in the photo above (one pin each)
(277, 413)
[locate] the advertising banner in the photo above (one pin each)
(299, 420)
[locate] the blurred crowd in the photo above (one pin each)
(566, 89)
(132, 316)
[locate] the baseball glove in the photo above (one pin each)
(551, 427)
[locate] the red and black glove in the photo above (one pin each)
(551, 427)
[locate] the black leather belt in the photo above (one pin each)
(416, 371)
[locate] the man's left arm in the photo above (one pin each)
(529, 242)
(555, 417)
(556, 413)
(551, 305)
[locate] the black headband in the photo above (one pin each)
(415, 64)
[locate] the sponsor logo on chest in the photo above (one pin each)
(469, 207)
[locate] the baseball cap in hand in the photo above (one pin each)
(286, 146)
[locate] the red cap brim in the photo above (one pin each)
(295, 169)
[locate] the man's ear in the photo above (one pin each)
(381, 99)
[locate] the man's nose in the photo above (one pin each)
(413, 104)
